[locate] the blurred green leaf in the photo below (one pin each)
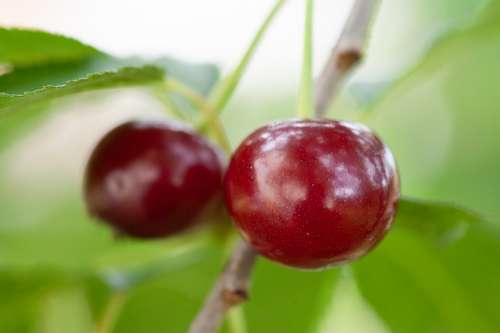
(97, 293)
(425, 276)
(23, 48)
(421, 24)
(126, 275)
(50, 237)
(168, 303)
(491, 13)
(34, 298)
(443, 223)
(417, 286)
(65, 310)
(53, 236)
(348, 310)
(31, 300)
(442, 122)
(288, 300)
(435, 272)
(19, 304)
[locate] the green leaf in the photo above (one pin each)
(53, 234)
(121, 273)
(47, 66)
(491, 13)
(443, 223)
(188, 287)
(65, 310)
(41, 83)
(288, 300)
(348, 311)
(168, 303)
(23, 48)
(33, 297)
(50, 237)
(61, 238)
(25, 94)
(421, 24)
(125, 76)
(37, 77)
(30, 296)
(200, 77)
(46, 61)
(19, 305)
(442, 122)
(425, 276)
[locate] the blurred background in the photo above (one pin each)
(428, 86)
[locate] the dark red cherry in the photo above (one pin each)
(311, 194)
(150, 179)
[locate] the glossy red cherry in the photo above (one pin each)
(312, 194)
(150, 179)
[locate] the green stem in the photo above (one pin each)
(306, 105)
(205, 107)
(111, 313)
(170, 104)
(236, 320)
(227, 87)
(178, 87)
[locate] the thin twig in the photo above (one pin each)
(229, 290)
(346, 54)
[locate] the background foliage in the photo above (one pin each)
(435, 105)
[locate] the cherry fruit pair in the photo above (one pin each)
(305, 193)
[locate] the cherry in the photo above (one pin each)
(149, 179)
(312, 193)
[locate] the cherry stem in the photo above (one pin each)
(305, 109)
(226, 88)
(170, 105)
(345, 55)
(231, 289)
(111, 312)
(199, 101)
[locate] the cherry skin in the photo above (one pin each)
(149, 179)
(312, 193)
